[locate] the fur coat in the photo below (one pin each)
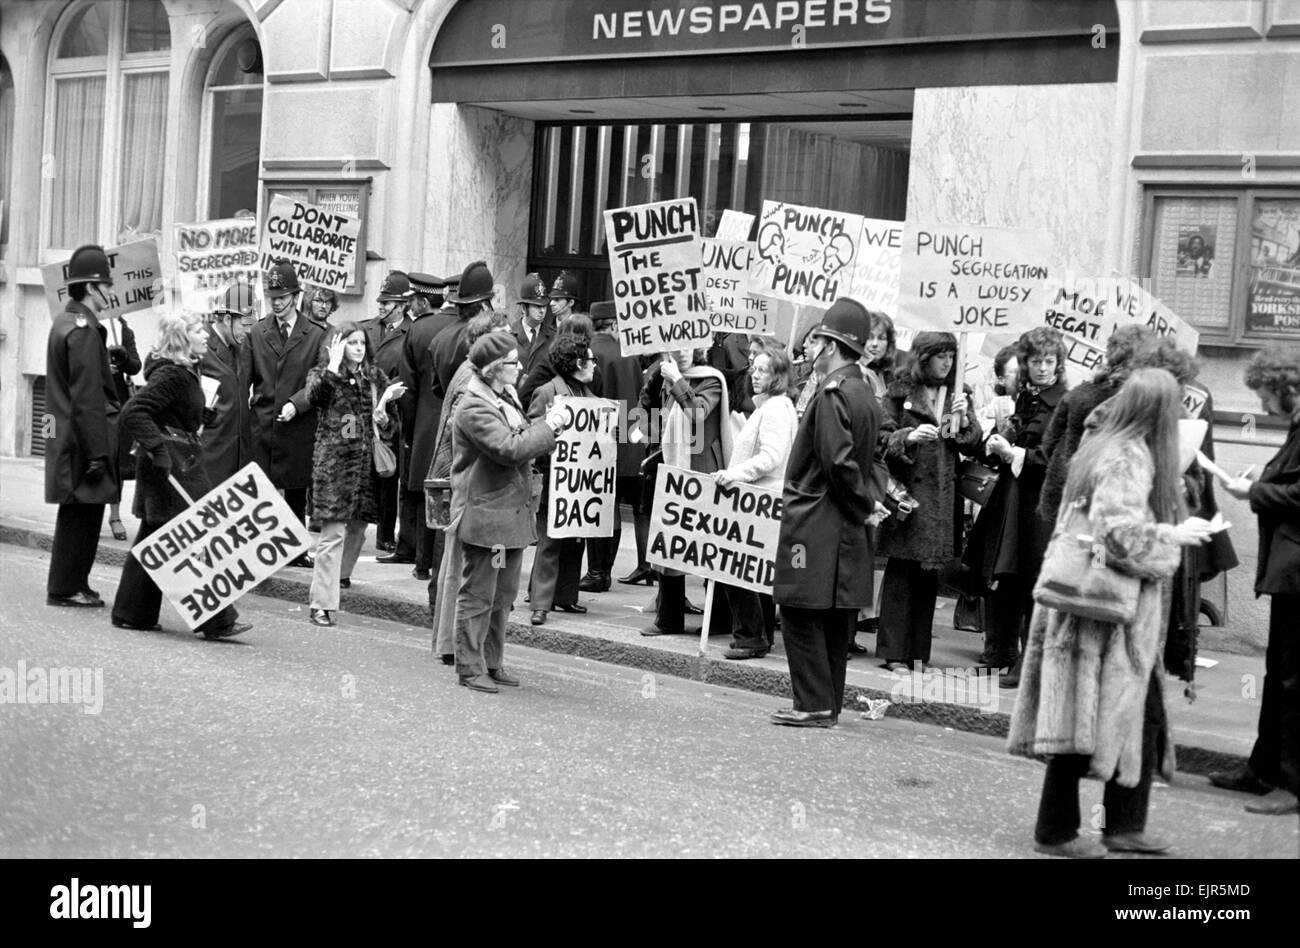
(1084, 684)
(344, 483)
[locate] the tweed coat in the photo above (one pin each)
(344, 483)
(1084, 683)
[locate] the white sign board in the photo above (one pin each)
(580, 495)
(213, 256)
(732, 308)
(136, 274)
(321, 244)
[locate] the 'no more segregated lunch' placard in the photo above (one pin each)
(728, 534)
(580, 498)
(228, 541)
(212, 256)
(656, 268)
(321, 245)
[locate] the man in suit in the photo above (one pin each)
(281, 350)
(227, 442)
(386, 334)
(80, 430)
(534, 328)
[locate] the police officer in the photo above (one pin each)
(80, 430)
(564, 296)
(534, 328)
(824, 558)
(387, 336)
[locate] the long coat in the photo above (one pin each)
(620, 381)
(931, 533)
(1275, 498)
(82, 409)
(278, 373)
(531, 354)
(421, 406)
(228, 441)
(127, 367)
(165, 415)
(1084, 683)
(493, 447)
(343, 484)
(824, 558)
(1061, 439)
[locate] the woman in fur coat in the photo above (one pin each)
(1091, 695)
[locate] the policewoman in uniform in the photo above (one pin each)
(829, 496)
(386, 334)
(80, 430)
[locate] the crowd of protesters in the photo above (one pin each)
(435, 421)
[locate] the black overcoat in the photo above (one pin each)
(1275, 498)
(421, 406)
(228, 440)
(167, 413)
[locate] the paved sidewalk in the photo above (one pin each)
(1216, 730)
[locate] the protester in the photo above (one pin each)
(281, 350)
(1274, 765)
(1092, 695)
(543, 371)
(695, 434)
(557, 564)
(534, 328)
(1005, 548)
(443, 601)
(355, 403)
(227, 441)
(620, 377)
(759, 457)
(493, 512)
(922, 453)
(322, 304)
(473, 296)
(824, 556)
(164, 417)
(386, 340)
(80, 430)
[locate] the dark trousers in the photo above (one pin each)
(817, 650)
(1277, 748)
(749, 627)
(76, 539)
(907, 597)
(557, 567)
(601, 551)
(411, 510)
(670, 603)
(296, 498)
(139, 600)
(386, 496)
(1010, 606)
(1124, 809)
(489, 580)
(433, 543)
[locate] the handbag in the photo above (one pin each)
(385, 457)
(437, 502)
(975, 481)
(1075, 578)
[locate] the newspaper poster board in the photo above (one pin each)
(732, 308)
(321, 244)
(136, 274)
(972, 279)
(656, 269)
(229, 540)
(213, 256)
(580, 483)
(728, 534)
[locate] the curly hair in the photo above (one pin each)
(484, 323)
(1277, 372)
(1040, 342)
(566, 350)
(879, 322)
(1120, 347)
(1163, 353)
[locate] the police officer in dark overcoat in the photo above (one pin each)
(281, 350)
(228, 440)
(386, 334)
(824, 558)
(534, 327)
(80, 430)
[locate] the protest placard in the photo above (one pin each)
(728, 534)
(972, 279)
(580, 495)
(212, 256)
(321, 244)
(726, 280)
(136, 275)
(735, 225)
(655, 260)
(223, 545)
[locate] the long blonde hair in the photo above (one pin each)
(174, 340)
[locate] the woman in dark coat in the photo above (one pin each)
(165, 417)
(557, 564)
(124, 360)
(1005, 549)
(923, 456)
(352, 397)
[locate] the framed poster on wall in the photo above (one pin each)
(350, 197)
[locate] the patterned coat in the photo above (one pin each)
(343, 485)
(1084, 684)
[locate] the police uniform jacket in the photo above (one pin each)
(82, 410)
(228, 440)
(538, 349)
(824, 558)
(421, 406)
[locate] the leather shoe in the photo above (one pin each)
(229, 632)
(345, 582)
(479, 683)
(448, 659)
(856, 649)
(503, 677)
(420, 574)
(539, 617)
(79, 600)
(870, 626)
(135, 626)
(656, 630)
(594, 582)
(1278, 802)
(1242, 780)
(1135, 843)
(386, 546)
(741, 654)
(642, 576)
(303, 562)
(691, 609)
(792, 718)
(321, 617)
(1077, 848)
(396, 559)
(573, 609)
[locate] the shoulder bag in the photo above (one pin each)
(1076, 579)
(975, 481)
(385, 458)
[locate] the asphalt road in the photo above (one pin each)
(354, 741)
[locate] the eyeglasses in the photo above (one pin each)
(510, 362)
(587, 360)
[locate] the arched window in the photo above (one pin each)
(106, 125)
(6, 150)
(233, 108)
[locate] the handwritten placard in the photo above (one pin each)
(732, 308)
(136, 275)
(213, 256)
(735, 225)
(580, 498)
(321, 244)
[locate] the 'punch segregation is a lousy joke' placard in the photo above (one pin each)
(580, 495)
(213, 256)
(655, 260)
(321, 245)
(728, 534)
(223, 545)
